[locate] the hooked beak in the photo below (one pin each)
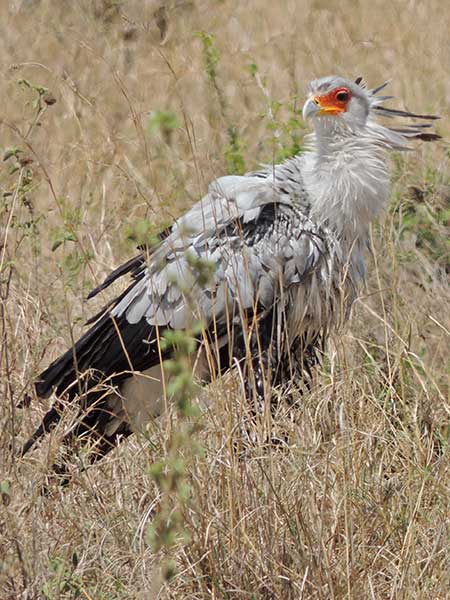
(311, 108)
(320, 105)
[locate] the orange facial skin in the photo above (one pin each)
(334, 102)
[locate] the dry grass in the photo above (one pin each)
(356, 506)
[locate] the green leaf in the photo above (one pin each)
(10, 153)
(253, 69)
(5, 492)
(162, 120)
(24, 83)
(143, 233)
(56, 244)
(211, 54)
(61, 237)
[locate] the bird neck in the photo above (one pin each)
(347, 180)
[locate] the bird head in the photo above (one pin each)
(335, 100)
(341, 106)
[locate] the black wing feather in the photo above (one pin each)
(132, 265)
(104, 355)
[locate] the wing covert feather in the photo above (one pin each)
(255, 242)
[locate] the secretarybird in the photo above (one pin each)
(286, 248)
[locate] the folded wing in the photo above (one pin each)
(234, 254)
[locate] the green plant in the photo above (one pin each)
(233, 151)
(168, 530)
(62, 579)
(163, 121)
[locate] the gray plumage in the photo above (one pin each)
(252, 260)
(285, 250)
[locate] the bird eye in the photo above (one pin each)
(342, 95)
